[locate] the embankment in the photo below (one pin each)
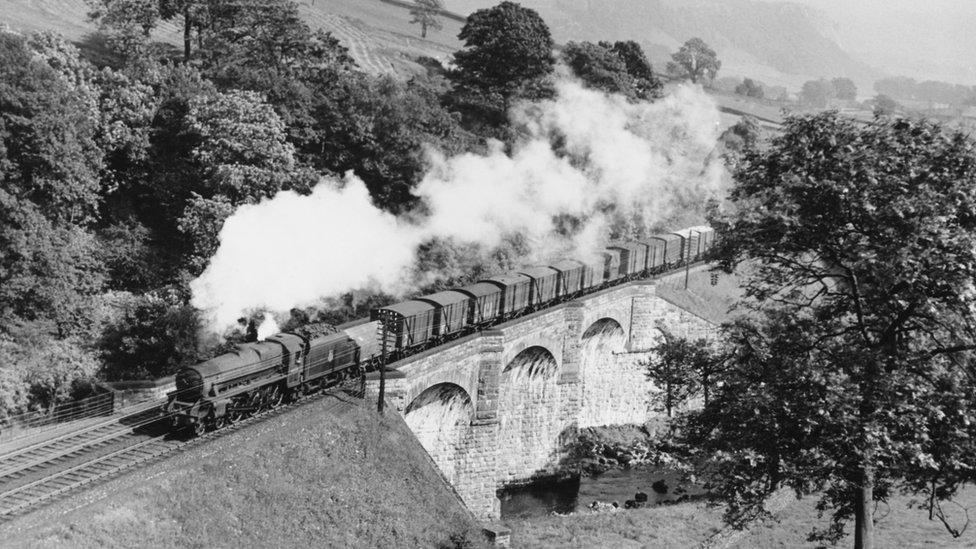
(331, 473)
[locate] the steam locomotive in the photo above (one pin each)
(261, 375)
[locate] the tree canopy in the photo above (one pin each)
(844, 88)
(621, 68)
(505, 47)
(427, 13)
(696, 61)
(855, 376)
(750, 88)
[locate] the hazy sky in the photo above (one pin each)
(925, 38)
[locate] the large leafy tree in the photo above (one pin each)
(49, 197)
(233, 150)
(855, 376)
(817, 93)
(615, 68)
(696, 61)
(508, 49)
(379, 128)
(844, 88)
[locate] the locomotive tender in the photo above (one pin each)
(261, 375)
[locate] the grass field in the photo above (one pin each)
(378, 35)
(896, 526)
(692, 523)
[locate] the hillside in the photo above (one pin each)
(780, 44)
(378, 35)
(333, 472)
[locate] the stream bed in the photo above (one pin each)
(575, 494)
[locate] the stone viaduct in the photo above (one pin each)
(497, 407)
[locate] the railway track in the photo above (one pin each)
(21, 462)
(42, 474)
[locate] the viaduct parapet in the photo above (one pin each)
(498, 407)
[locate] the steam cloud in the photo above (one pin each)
(591, 162)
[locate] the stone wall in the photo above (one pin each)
(498, 407)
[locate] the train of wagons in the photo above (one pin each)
(261, 375)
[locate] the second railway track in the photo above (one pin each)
(40, 474)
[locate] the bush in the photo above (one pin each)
(156, 335)
(41, 372)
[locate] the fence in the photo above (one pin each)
(109, 399)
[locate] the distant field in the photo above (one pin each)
(379, 35)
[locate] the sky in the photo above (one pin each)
(933, 39)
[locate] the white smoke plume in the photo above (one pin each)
(589, 158)
(268, 327)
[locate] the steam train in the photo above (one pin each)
(261, 375)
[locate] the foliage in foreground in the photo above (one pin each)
(854, 379)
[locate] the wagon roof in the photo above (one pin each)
(538, 272)
(567, 265)
(507, 279)
(667, 237)
(445, 298)
(480, 289)
(625, 245)
(409, 308)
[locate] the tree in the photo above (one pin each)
(817, 93)
(128, 24)
(49, 198)
(230, 149)
(598, 67)
(844, 89)
(427, 13)
(750, 88)
(682, 369)
(884, 105)
(614, 68)
(379, 128)
(855, 376)
(646, 84)
(739, 138)
(505, 47)
(696, 61)
(157, 335)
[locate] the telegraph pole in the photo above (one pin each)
(382, 397)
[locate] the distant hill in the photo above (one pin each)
(780, 44)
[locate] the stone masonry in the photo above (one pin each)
(498, 407)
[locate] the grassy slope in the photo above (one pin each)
(330, 474)
(712, 303)
(379, 36)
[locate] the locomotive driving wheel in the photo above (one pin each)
(275, 397)
(199, 428)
